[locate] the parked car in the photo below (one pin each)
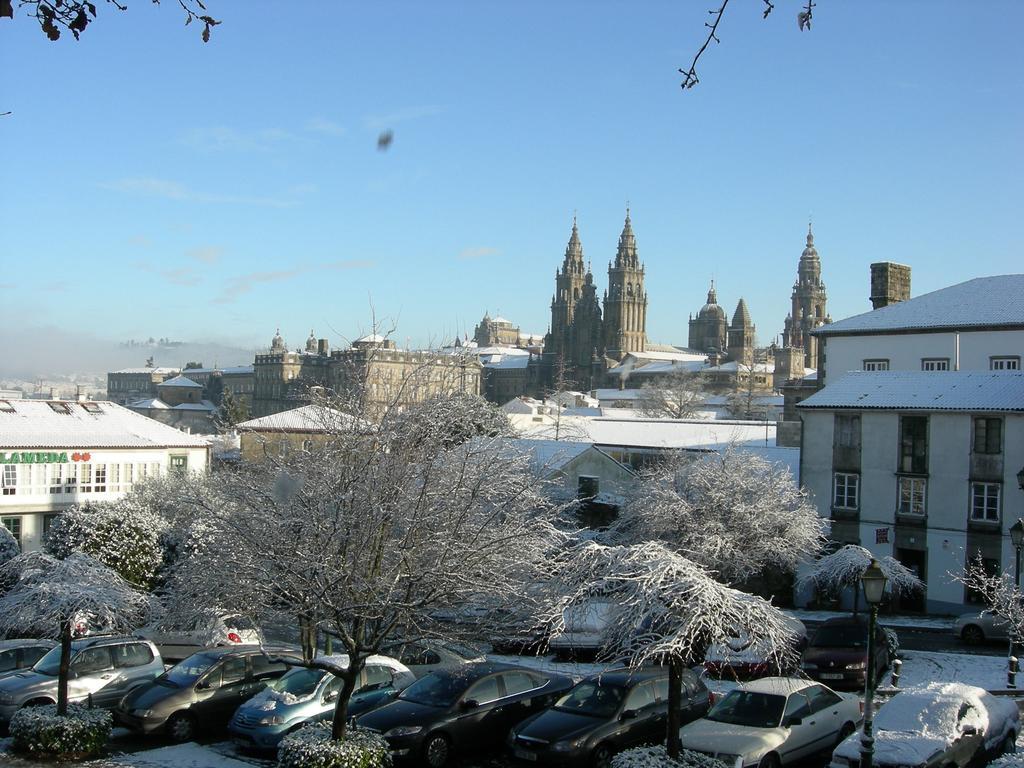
(773, 721)
(584, 628)
(940, 725)
(303, 695)
(450, 710)
(980, 627)
(103, 669)
(209, 629)
(203, 690)
(838, 653)
(604, 714)
(740, 659)
(431, 655)
(21, 654)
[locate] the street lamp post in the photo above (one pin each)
(1017, 539)
(873, 581)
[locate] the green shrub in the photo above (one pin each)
(41, 732)
(312, 747)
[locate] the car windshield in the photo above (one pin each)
(841, 636)
(191, 669)
(300, 682)
(757, 710)
(49, 664)
(437, 689)
(591, 698)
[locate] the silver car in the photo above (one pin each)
(980, 627)
(102, 668)
(16, 655)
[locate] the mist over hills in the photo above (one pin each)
(48, 351)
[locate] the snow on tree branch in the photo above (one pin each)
(843, 568)
(678, 395)
(1001, 596)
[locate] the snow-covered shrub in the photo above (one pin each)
(312, 747)
(657, 757)
(42, 733)
(1012, 760)
(8, 545)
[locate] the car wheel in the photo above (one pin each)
(602, 756)
(181, 727)
(1009, 744)
(436, 750)
(771, 760)
(972, 635)
(844, 732)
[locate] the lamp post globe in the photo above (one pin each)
(873, 581)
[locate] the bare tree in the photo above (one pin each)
(76, 15)
(843, 568)
(49, 596)
(374, 535)
(1002, 598)
(677, 395)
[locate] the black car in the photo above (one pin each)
(838, 653)
(452, 709)
(204, 690)
(604, 714)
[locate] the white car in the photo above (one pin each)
(773, 721)
(207, 630)
(940, 724)
(740, 659)
(430, 655)
(583, 627)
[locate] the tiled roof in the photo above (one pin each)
(34, 424)
(983, 301)
(923, 391)
(180, 381)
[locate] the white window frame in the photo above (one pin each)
(935, 364)
(989, 495)
(850, 482)
(13, 524)
(9, 479)
(876, 364)
(917, 496)
(1004, 363)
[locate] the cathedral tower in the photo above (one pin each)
(741, 335)
(709, 329)
(625, 301)
(808, 310)
(568, 289)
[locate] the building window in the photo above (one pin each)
(845, 490)
(100, 478)
(1008, 363)
(179, 464)
(985, 502)
(13, 524)
(63, 408)
(85, 478)
(9, 480)
(913, 444)
(912, 496)
(935, 364)
(876, 365)
(56, 478)
(847, 430)
(587, 487)
(988, 435)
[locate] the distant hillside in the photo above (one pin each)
(44, 352)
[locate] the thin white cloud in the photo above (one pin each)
(222, 138)
(172, 190)
(378, 122)
(325, 126)
(207, 254)
(242, 284)
(478, 252)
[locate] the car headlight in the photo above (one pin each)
(857, 665)
(143, 713)
(403, 730)
(271, 720)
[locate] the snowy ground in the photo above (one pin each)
(896, 622)
(918, 667)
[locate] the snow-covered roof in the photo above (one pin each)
(149, 403)
(694, 434)
(628, 368)
(243, 369)
(923, 391)
(180, 381)
(553, 455)
(148, 370)
(617, 394)
(35, 424)
(505, 362)
(202, 405)
(372, 338)
(733, 366)
(983, 301)
(672, 353)
(307, 418)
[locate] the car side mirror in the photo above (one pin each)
(793, 720)
(628, 714)
(330, 696)
(469, 704)
(202, 685)
(969, 730)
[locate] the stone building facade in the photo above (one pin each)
(809, 305)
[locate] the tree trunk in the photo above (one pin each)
(349, 679)
(65, 665)
(675, 686)
(307, 638)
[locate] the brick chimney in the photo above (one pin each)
(890, 283)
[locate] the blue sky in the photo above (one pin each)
(154, 185)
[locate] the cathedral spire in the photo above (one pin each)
(573, 251)
(712, 296)
(626, 254)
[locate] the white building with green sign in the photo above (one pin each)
(56, 454)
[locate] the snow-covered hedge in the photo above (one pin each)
(312, 747)
(41, 732)
(657, 757)
(1012, 760)
(9, 548)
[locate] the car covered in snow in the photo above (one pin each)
(837, 654)
(939, 725)
(583, 627)
(773, 721)
(305, 694)
(208, 629)
(740, 659)
(102, 670)
(16, 655)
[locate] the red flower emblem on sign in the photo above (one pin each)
(86, 456)
(76, 456)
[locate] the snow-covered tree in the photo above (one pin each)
(448, 421)
(49, 596)
(843, 568)
(1002, 598)
(125, 535)
(677, 395)
(734, 513)
(8, 545)
(372, 535)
